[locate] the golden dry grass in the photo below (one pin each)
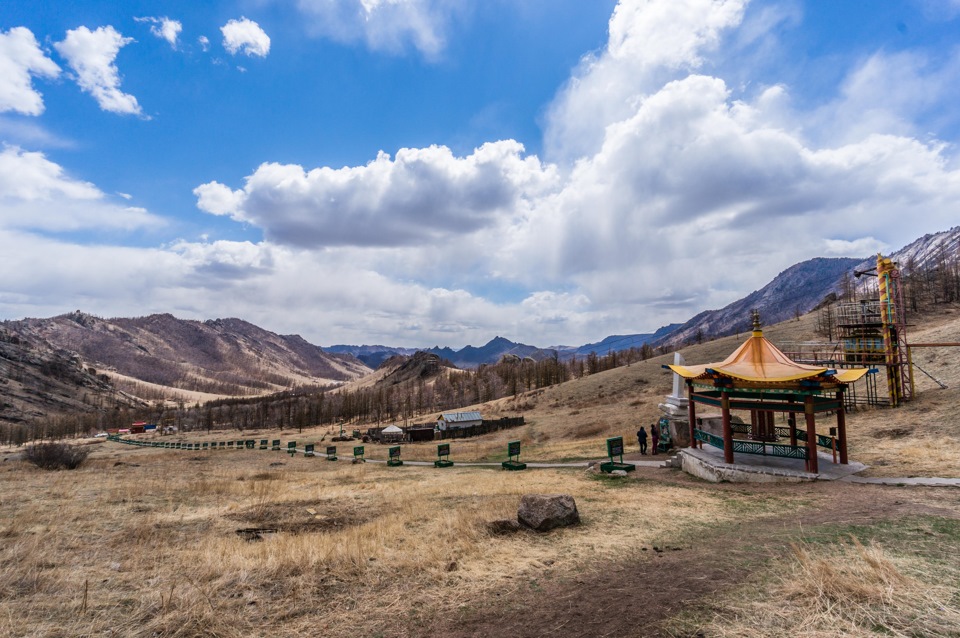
(144, 542)
(845, 590)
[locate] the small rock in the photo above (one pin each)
(543, 512)
(619, 473)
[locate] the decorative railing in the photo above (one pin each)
(784, 433)
(822, 441)
(754, 447)
(770, 449)
(706, 437)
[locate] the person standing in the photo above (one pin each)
(655, 435)
(642, 439)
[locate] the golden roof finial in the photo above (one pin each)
(755, 315)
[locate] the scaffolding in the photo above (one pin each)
(867, 333)
(860, 331)
(833, 354)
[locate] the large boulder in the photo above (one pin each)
(543, 512)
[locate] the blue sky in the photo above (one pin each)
(421, 172)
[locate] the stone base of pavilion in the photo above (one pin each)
(707, 464)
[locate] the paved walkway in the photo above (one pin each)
(901, 482)
(791, 468)
(532, 464)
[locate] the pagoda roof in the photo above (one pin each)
(757, 360)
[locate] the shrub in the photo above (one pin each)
(56, 456)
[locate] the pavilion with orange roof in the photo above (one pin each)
(758, 377)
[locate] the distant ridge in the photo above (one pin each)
(802, 287)
(220, 356)
(618, 343)
(795, 291)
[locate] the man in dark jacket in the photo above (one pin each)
(642, 439)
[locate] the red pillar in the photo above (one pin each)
(691, 413)
(755, 424)
(727, 430)
(771, 433)
(812, 463)
(842, 428)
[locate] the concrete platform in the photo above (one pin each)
(708, 464)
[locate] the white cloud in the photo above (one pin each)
(36, 193)
(864, 246)
(21, 58)
(91, 55)
(245, 36)
(164, 28)
(650, 43)
(204, 42)
(217, 199)
(30, 176)
(421, 195)
(384, 25)
(24, 132)
(674, 193)
(887, 93)
(347, 300)
(675, 197)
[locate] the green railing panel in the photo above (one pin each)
(708, 438)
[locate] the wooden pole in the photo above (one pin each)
(812, 462)
(792, 422)
(727, 429)
(842, 428)
(755, 424)
(691, 413)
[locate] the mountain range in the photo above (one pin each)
(80, 361)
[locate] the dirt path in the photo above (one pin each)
(634, 597)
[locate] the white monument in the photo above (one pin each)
(677, 400)
(674, 408)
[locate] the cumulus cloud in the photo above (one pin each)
(650, 43)
(421, 195)
(36, 193)
(204, 42)
(245, 36)
(91, 56)
(164, 28)
(20, 59)
(384, 25)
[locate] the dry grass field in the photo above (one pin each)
(142, 542)
(149, 542)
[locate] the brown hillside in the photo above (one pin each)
(222, 357)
